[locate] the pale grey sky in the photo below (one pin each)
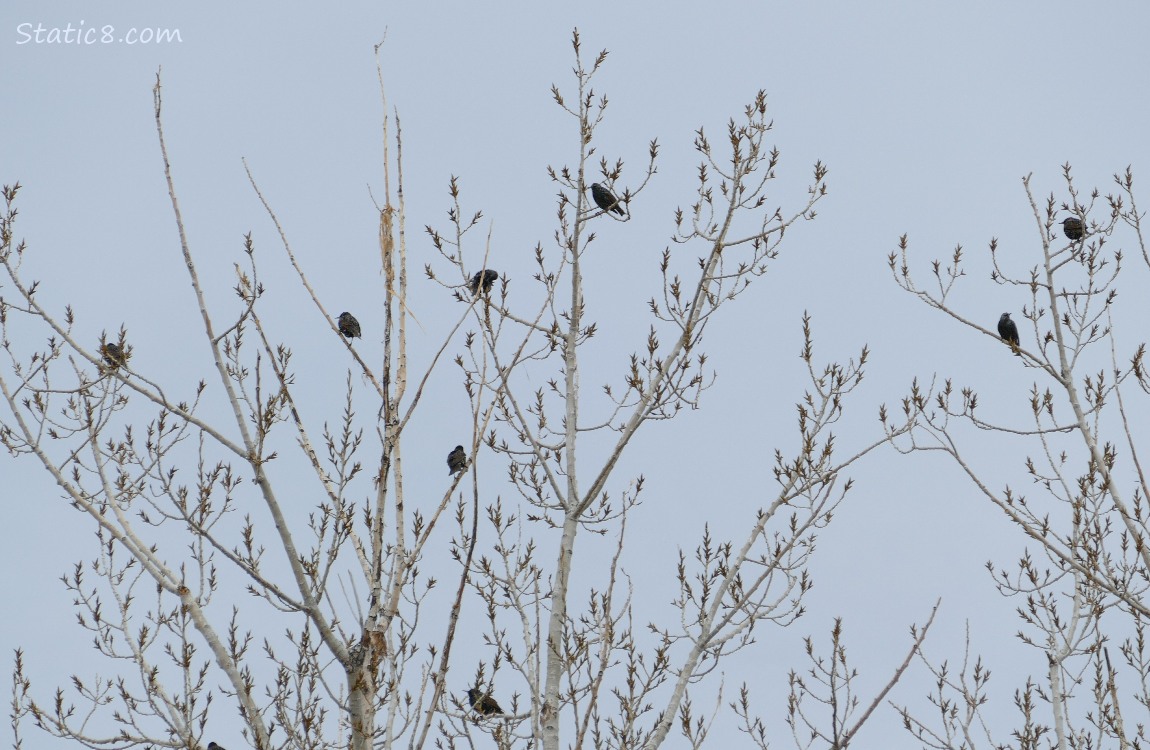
(926, 113)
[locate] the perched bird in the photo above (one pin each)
(214, 746)
(1073, 228)
(605, 199)
(485, 278)
(349, 326)
(113, 354)
(483, 702)
(1009, 332)
(456, 460)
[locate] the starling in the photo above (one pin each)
(1073, 228)
(214, 746)
(456, 460)
(485, 278)
(483, 702)
(349, 326)
(1009, 332)
(113, 355)
(605, 200)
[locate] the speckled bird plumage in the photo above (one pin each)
(605, 199)
(484, 279)
(349, 326)
(456, 460)
(483, 702)
(1009, 332)
(1073, 228)
(113, 354)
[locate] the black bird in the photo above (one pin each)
(1073, 228)
(214, 746)
(1009, 332)
(113, 355)
(456, 460)
(485, 278)
(349, 326)
(483, 702)
(605, 199)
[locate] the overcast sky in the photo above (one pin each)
(928, 114)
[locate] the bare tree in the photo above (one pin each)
(363, 654)
(1083, 577)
